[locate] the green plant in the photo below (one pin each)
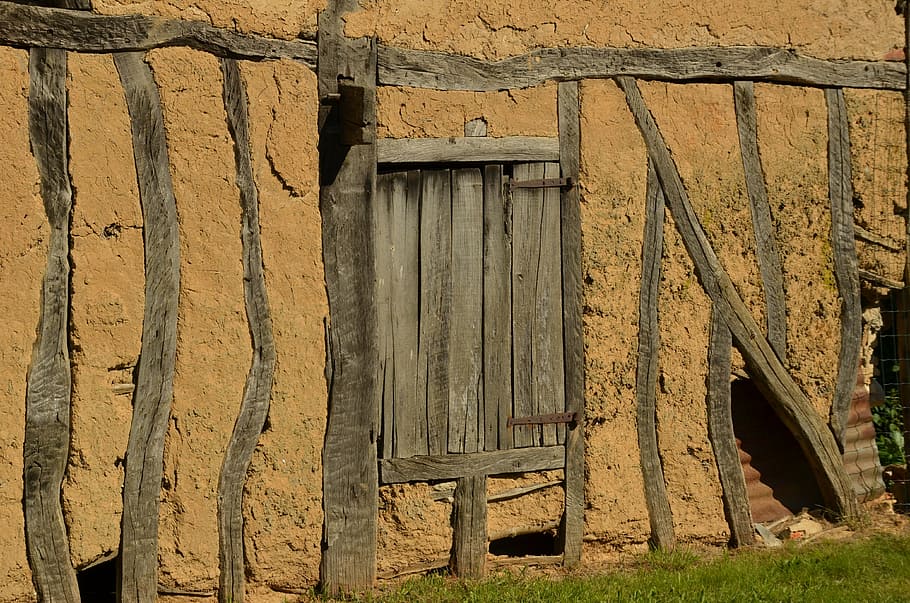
(889, 429)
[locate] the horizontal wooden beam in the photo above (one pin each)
(428, 69)
(467, 150)
(27, 26)
(453, 466)
(867, 236)
(879, 280)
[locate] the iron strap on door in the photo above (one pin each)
(541, 183)
(559, 417)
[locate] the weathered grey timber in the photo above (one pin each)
(429, 69)
(527, 212)
(24, 26)
(469, 513)
(454, 466)
(870, 237)
(571, 528)
(154, 388)
(466, 411)
(769, 374)
(659, 515)
(497, 311)
(840, 194)
(385, 333)
(468, 149)
(435, 305)
(347, 177)
(723, 440)
(879, 280)
(254, 407)
(410, 411)
(49, 381)
(769, 262)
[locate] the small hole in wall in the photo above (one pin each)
(98, 583)
(525, 545)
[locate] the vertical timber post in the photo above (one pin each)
(347, 178)
(572, 526)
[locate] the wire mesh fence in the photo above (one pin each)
(890, 396)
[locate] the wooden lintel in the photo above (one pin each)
(454, 466)
(469, 149)
(26, 26)
(441, 71)
(879, 280)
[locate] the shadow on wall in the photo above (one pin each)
(778, 478)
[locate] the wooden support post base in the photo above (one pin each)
(469, 550)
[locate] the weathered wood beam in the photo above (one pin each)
(772, 378)
(429, 69)
(454, 466)
(769, 262)
(25, 26)
(467, 149)
(846, 265)
(347, 176)
(469, 514)
(254, 406)
(659, 515)
(723, 439)
(571, 528)
(154, 389)
(49, 381)
(867, 236)
(879, 280)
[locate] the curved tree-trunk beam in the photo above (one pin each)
(769, 263)
(658, 503)
(723, 440)
(154, 388)
(846, 267)
(769, 374)
(48, 391)
(255, 405)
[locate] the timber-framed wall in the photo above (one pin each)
(349, 72)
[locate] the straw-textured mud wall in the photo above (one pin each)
(282, 511)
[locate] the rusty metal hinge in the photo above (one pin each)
(560, 417)
(541, 183)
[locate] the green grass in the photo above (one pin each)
(865, 570)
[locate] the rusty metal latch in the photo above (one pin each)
(541, 183)
(560, 417)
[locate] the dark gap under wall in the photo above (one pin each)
(525, 545)
(778, 478)
(98, 583)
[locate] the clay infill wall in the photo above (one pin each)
(201, 257)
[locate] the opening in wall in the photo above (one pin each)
(778, 478)
(98, 582)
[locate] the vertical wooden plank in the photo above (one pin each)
(769, 262)
(469, 549)
(658, 503)
(775, 382)
(846, 274)
(158, 353)
(410, 418)
(723, 440)
(527, 213)
(548, 315)
(465, 340)
(49, 380)
(382, 239)
(497, 311)
(254, 407)
(346, 196)
(435, 305)
(572, 526)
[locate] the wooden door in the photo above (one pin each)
(469, 274)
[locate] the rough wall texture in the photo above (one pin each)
(23, 255)
(823, 28)
(283, 496)
(108, 297)
(793, 142)
(613, 183)
(276, 18)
